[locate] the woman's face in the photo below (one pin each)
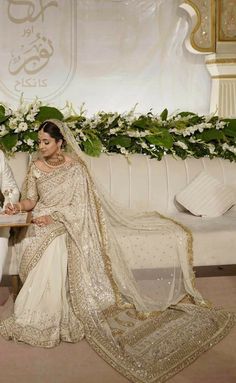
(48, 146)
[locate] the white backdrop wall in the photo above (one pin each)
(110, 54)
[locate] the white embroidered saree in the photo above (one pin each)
(77, 283)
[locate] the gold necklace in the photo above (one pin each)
(55, 163)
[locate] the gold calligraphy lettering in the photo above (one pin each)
(32, 57)
(30, 10)
(30, 82)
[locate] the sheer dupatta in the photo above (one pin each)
(147, 329)
(138, 327)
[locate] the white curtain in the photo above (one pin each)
(110, 54)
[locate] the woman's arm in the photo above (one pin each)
(29, 195)
(24, 205)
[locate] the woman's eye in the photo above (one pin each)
(43, 142)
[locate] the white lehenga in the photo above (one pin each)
(43, 308)
(76, 282)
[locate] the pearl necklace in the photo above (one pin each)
(54, 164)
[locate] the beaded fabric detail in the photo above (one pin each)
(104, 301)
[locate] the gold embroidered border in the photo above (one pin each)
(124, 365)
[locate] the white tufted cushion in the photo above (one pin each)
(206, 196)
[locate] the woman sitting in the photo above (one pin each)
(76, 283)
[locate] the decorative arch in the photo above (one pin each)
(202, 38)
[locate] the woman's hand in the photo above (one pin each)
(11, 209)
(44, 220)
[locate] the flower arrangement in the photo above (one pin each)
(183, 134)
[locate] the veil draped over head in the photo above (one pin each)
(147, 328)
(169, 284)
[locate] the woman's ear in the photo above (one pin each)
(59, 144)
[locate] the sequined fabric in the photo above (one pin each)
(146, 335)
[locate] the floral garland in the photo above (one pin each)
(184, 134)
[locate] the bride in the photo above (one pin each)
(76, 282)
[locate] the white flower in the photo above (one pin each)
(120, 123)
(72, 125)
(144, 145)
(231, 149)
(8, 111)
(22, 127)
(114, 130)
(19, 115)
(3, 130)
(104, 149)
(82, 135)
(29, 142)
(30, 117)
(220, 125)
(211, 148)
(133, 133)
(136, 133)
(13, 123)
(181, 144)
(195, 141)
(122, 150)
(112, 118)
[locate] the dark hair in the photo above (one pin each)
(53, 131)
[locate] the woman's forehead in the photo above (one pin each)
(43, 135)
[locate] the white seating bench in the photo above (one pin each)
(148, 184)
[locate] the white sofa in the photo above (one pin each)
(148, 184)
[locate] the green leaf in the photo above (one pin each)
(47, 113)
(211, 134)
(164, 114)
(9, 141)
(192, 118)
(2, 114)
(93, 147)
(180, 125)
(114, 122)
(195, 120)
(123, 141)
(2, 110)
(141, 123)
(164, 139)
(78, 118)
(32, 135)
(186, 114)
(230, 129)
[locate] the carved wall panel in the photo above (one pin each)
(203, 15)
(227, 20)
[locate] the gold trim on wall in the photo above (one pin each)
(221, 61)
(212, 46)
(225, 76)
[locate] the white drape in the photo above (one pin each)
(119, 53)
